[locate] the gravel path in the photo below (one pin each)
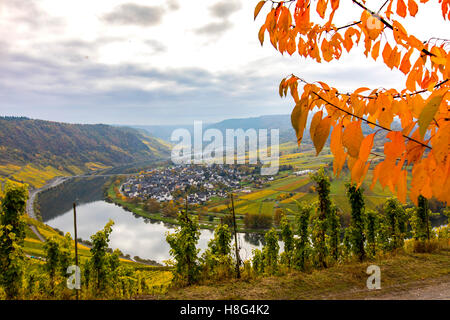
(438, 289)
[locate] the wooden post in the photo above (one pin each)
(428, 219)
(238, 262)
(76, 239)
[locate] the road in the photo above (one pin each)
(32, 198)
(51, 184)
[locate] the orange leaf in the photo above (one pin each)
(376, 50)
(321, 8)
(261, 34)
(315, 122)
(412, 7)
(401, 8)
(337, 149)
(401, 186)
(366, 147)
(405, 66)
(321, 133)
(352, 138)
(416, 43)
(396, 146)
(387, 53)
(258, 8)
(375, 174)
(326, 52)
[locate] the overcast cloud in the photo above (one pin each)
(162, 62)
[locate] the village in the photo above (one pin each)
(200, 182)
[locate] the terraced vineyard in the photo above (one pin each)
(158, 279)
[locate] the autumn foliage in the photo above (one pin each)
(421, 149)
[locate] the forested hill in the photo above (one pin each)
(35, 151)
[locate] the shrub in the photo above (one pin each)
(258, 221)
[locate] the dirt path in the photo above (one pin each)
(437, 289)
(428, 289)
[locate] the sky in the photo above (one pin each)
(158, 62)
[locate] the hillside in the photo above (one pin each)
(35, 151)
(280, 121)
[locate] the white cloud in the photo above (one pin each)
(155, 56)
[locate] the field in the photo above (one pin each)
(33, 175)
(286, 187)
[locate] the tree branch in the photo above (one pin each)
(386, 23)
(369, 122)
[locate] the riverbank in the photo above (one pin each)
(403, 276)
(139, 210)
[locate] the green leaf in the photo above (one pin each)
(428, 112)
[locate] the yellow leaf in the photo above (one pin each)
(321, 133)
(428, 112)
(298, 118)
(314, 122)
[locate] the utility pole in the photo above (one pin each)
(238, 262)
(76, 240)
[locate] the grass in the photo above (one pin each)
(347, 281)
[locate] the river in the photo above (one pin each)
(132, 234)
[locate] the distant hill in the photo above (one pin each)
(35, 151)
(281, 122)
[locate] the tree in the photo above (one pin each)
(169, 209)
(320, 224)
(302, 243)
(99, 261)
(420, 223)
(334, 233)
(277, 216)
(52, 260)
(270, 252)
(357, 220)
(217, 257)
(287, 235)
(372, 230)
(258, 261)
(422, 106)
(183, 248)
(12, 235)
(257, 220)
(394, 224)
(152, 205)
(65, 254)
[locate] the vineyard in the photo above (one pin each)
(37, 270)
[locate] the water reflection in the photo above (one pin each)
(132, 234)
